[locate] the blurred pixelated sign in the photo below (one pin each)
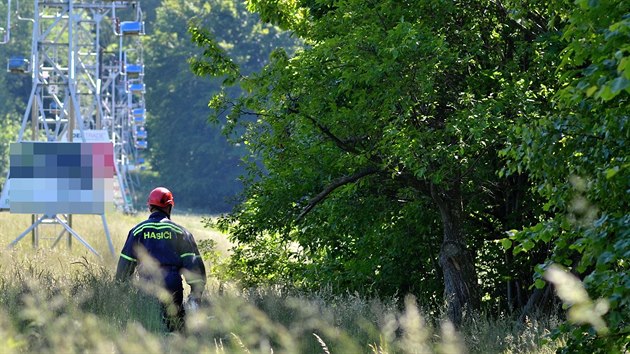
(89, 135)
(60, 178)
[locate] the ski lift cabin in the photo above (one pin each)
(134, 71)
(141, 133)
(137, 88)
(138, 116)
(138, 112)
(132, 28)
(141, 144)
(18, 64)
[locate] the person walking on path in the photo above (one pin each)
(175, 251)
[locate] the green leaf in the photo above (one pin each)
(546, 236)
(606, 93)
(582, 3)
(506, 243)
(624, 67)
(619, 84)
(591, 90)
(539, 283)
(528, 245)
(611, 172)
(605, 258)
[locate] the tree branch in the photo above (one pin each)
(534, 17)
(334, 185)
(324, 130)
(340, 143)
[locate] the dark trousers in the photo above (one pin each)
(173, 313)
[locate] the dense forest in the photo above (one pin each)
(454, 150)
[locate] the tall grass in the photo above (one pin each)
(65, 300)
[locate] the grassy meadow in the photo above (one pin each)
(64, 300)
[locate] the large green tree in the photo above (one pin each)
(379, 142)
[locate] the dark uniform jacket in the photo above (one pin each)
(171, 245)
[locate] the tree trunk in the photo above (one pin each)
(536, 302)
(461, 290)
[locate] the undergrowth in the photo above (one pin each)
(66, 301)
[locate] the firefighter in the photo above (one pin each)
(174, 248)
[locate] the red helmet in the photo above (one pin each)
(161, 197)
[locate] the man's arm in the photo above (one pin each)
(125, 268)
(127, 262)
(195, 270)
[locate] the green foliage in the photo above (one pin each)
(586, 327)
(578, 156)
(14, 88)
(8, 133)
(216, 262)
(179, 138)
(192, 157)
(354, 138)
(221, 65)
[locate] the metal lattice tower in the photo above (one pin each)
(78, 87)
(82, 92)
